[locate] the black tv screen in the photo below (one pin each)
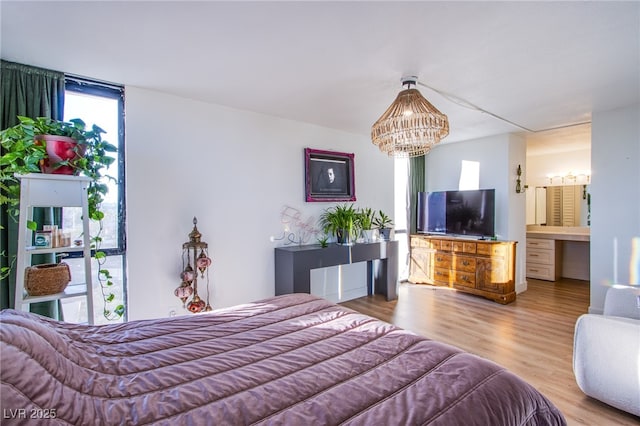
(471, 212)
(457, 212)
(432, 212)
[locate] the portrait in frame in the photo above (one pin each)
(329, 175)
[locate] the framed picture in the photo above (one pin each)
(329, 176)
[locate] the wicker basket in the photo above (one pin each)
(48, 278)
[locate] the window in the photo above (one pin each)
(401, 171)
(103, 105)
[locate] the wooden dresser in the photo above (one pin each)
(484, 268)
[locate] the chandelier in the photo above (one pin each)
(411, 126)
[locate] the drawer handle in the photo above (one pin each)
(533, 270)
(465, 263)
(533, 255)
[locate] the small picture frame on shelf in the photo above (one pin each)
(329, 176)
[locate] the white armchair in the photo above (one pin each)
(606, 350)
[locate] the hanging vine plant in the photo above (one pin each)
(105, 280)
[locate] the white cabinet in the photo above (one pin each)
(544, 259)
(46, 190)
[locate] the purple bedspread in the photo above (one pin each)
(288, 360)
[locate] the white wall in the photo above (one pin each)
(615, 201)
(235, 170)
(499, 157)
(516, 216)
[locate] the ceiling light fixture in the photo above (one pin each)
(411, 126)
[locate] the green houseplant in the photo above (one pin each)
(341, 220)
(366, 216)
(25, 153)
(323, 240)
(384, 224)
(25, 150)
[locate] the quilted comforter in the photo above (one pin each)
(288, 360)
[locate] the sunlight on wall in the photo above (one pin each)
(634, 265)
(401, 173)
(469, 175)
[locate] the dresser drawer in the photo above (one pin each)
(469, 247)
(488, 249)
(538, 256)
(442, 260)
(446, 245)
(419, 242)
(483, 248)
(467, 279)
(464, 247)
(441, 275)
(542, 272)
(464, 263)
(424, 243)
(539, 243)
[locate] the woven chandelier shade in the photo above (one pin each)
(410, 127)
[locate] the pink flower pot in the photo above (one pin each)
(60, 148)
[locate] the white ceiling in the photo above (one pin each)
(339, 64)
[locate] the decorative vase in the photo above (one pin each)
(368, 235)
(343, 237)
(385, 234)
(60, 148)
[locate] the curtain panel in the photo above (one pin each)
(30, 92)
(415, 184)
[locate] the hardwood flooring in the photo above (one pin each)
(533, 336)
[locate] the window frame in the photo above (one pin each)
(96, 88)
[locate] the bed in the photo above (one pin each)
(289, 360)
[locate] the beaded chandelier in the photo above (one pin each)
(411, 126)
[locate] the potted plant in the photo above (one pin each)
(365, 223)
(341, 220)
(384, 224)
(27, 144)
(323, 240)
(41, 145)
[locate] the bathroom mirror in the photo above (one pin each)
(567, 205)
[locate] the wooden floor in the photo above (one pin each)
(533, 337)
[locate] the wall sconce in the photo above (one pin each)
(197, 261)
(518, 180)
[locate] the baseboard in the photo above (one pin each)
(521, 287)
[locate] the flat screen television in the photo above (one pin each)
(432, 212)
(465, 213)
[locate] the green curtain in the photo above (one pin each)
(31, 92)
(415, 184)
